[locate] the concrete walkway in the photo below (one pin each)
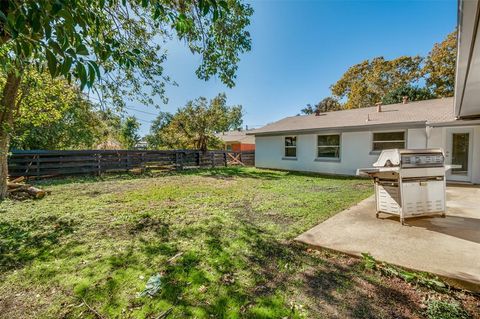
(448, 247)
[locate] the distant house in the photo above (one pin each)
(141, 145)
(237, 141)
(342, 141)
(109, 144)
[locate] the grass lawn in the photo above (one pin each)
(221, 241)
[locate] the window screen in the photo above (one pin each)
(388, 140)
(290, 146)
(328, 146)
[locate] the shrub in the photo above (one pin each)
(445, 310)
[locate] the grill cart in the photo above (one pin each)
(409, 183)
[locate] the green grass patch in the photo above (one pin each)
(220, 239)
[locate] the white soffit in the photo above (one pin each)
(467, 88)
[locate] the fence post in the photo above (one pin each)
(179, 160)
(198, 159)
(212, 157)
(99, 164)
(38, 165)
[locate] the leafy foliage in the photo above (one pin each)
(372, 81)
(53, 115)
(438, 309)
(440, 65)
(129, 132)
(328, 104)
(413, 93)
(423, 279)
(194, 126)
(89, 40)
(365, 84)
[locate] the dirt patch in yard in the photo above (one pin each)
(347, 290)
(30, 302)
(246, 213)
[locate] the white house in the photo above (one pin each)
(340, 142)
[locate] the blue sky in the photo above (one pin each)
(300, 48)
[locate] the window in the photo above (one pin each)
(291, 146)
(388, 140)
(328, 146)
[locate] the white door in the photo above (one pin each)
(459, 152)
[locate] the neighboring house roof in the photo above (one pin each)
(411, 114)
(236, 137)
(109, 144)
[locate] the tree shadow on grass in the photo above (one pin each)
(327, 283)
(23, 242)
(236, 268)
(246, 272)
(358, 297)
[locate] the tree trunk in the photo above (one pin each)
(7, 109)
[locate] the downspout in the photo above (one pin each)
(428, 131)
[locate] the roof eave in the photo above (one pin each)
(353, 128)
(468, 40)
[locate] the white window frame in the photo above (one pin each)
(373, 151)
(319, 158)
(285, 156)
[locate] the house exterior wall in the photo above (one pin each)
(438, 137)
(355, 151)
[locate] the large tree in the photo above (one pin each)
(114, 47)
(440, 66)
(328, 104)
(194, 126)
(365, 83)
(53, 114)
(129, 132)
(412, 93)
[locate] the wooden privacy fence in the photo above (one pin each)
(57, 163)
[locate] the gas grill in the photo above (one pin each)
(409, 183)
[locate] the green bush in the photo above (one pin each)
(445, 310)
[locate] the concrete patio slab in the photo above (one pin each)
(448, 247)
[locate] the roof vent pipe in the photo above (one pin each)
(379, 107)
(405, 100)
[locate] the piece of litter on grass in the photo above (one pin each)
(152, 287)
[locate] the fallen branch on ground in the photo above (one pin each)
(174, 257)
(165, 314)
(92, 309)
(18, 190)
(18, 179)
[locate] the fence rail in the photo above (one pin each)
(57, 163)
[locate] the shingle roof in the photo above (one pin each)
(429, 111)
(236, 136)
